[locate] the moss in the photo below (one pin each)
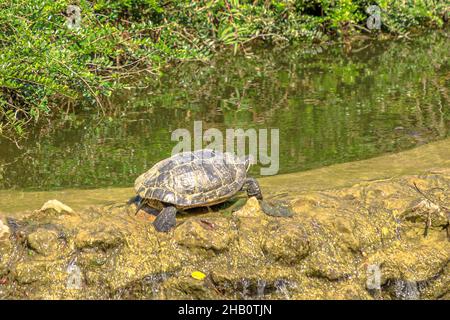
(214, 234)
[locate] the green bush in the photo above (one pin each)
(44, 64)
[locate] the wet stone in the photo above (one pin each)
(403, 289)
(208, 233)
(39, 271)
(6, 247)
(288, 243)
(188, 288)
(103, 238)
(322, 252)
(57, 206)
(43, 241)
(276, 209)
(4, 230)
(252, 209)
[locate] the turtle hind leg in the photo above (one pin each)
(166, 219)
(252, 188)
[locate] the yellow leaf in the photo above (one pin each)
(198, 275)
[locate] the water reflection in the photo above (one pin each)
(330, 106)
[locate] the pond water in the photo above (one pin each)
(331, 104)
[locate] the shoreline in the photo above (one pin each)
(426, 158)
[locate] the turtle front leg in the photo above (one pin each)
(252, 187)
(166, 219)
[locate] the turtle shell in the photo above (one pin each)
(193, 179)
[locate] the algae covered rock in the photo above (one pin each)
(286, 242)
(40, 272)
(207, 233)
(323, 251)
(43, 241)
(100, 236)
(185, 287)
(252, 209)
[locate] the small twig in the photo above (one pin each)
(86, 83)
(421, 192)
(439, 205)
(433, 201)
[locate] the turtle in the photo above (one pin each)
(191, 179)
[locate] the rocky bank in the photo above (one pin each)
(361, 242)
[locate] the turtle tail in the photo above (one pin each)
(139, 206)
(138, 201)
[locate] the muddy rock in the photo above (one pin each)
(330, 263)
(186, 287)
(286, 242)
(324, 251)
(214, 234)
(4, 230)
(6, 247)
(253, 282)
(41, 272)
(57, 206)
(43, 241)
(252, 209)
(101, 237)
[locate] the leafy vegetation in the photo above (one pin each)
(46, 67)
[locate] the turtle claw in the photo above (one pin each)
(166, 219)
(280, 209)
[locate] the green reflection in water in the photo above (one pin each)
(330, 107)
